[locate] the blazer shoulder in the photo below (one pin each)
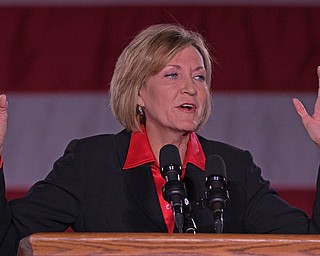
(96, 146)
(216, 147)
(104, 140)
(237, 160)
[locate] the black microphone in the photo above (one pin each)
(173, 190)
(216, 195)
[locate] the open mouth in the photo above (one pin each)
(187, 106)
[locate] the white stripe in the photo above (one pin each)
(268, 126)
(41, 125)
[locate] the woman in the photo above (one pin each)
(160, 92)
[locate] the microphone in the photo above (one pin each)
(216, 195)
(173, 190)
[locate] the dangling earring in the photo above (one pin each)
(140, 110)
(141, 113)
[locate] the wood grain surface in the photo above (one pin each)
(167, 244)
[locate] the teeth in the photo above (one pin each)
(189, 106)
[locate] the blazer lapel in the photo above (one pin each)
(195, 183)
(140, 184)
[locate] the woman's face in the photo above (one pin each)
(175, 98)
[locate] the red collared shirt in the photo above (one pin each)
(139, 143)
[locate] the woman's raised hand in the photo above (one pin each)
(310, 122)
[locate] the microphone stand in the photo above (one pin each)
(189, 224)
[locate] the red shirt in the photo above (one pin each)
(139, 143)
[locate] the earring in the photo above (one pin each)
(140, 110)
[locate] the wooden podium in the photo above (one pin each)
(77, 244)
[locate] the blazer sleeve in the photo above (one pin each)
(266, 212)
(51, 205)
(5, 220)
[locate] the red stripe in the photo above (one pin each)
(75, 48)
(300, 198)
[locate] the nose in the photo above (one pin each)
(189, 86)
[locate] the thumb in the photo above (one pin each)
(300, 108)
(3, 101)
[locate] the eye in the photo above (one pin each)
(171, 75)
(200, 78)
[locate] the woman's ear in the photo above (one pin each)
(140, 98)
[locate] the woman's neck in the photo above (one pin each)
(159, 139)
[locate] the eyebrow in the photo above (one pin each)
(200, 67)
(179, 67)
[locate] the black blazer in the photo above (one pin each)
(88, 190)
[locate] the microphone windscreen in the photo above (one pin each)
(215, 166)
(169, 154)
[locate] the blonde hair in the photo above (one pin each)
(146, 55)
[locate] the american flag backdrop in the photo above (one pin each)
(57, 58)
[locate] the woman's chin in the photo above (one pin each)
(188, 128)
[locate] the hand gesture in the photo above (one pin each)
(311, 123)
(3, 119)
